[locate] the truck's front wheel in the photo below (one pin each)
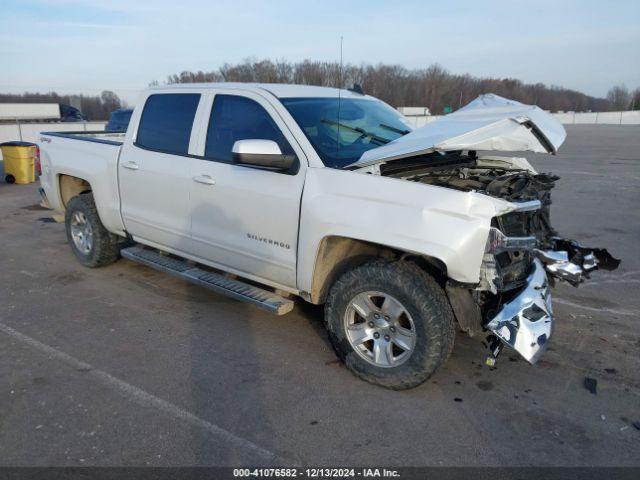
(390, 322)
(91, 243)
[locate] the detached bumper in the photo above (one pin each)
(526, 322)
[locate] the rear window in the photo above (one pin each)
(166, 122)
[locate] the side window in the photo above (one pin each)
(166, 122)
(236, 118)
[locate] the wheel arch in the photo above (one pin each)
(70, 186)
(337, 254)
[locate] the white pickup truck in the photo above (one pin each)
(264, 191)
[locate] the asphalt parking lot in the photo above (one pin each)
(127, 366)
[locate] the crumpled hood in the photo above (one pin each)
(490, 122)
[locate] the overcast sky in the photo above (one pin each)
(89, 45)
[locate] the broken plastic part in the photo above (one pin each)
(488, 274)
(590, 262)
(495, 347)
(572, 262)
(499, 242)
(558, 265)
(585, 256)
(551, 256)
(591, 384)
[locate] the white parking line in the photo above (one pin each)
(613, 311)
(140, 396)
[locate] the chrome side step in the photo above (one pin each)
(264, 299)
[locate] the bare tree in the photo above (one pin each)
(110, 101)
(94, 107)
(433, 87)
(619, 97)
(635, 100)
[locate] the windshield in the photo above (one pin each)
(341, 134)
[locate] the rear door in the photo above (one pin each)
(246, 219)
(154, 172)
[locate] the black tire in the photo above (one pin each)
(10, 178)
(422, 298)
(105, 248)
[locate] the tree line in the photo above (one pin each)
(96, 107)
(433, 87)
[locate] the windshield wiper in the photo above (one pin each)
(394, 129)
(361, 131)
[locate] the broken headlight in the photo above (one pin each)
(498, 242)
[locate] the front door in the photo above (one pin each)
(246, 218)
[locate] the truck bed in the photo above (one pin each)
(99, 136)
(91, 157)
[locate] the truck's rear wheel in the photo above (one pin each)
(90, 242)
(391, 323)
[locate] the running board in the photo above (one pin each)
(264, 299)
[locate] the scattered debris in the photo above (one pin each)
(622, 429)
(457, 399)
(636, 424)
(611, 370)
(46, 220)
(591, 384)
(313, 422)
(484, 385)
(603, 418)
(333, 362)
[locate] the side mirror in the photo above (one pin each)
(261, 153)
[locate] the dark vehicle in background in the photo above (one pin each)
(71, 114)
(119, 120)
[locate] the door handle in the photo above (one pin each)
(131, 165)
(205, 179)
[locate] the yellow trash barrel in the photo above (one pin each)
(19, 160)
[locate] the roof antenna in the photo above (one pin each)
(339, 99)
(340, 77)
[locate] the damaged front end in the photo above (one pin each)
(518, 309)
(524, 255)
(525, 322)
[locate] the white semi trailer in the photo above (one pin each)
(39, 112)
